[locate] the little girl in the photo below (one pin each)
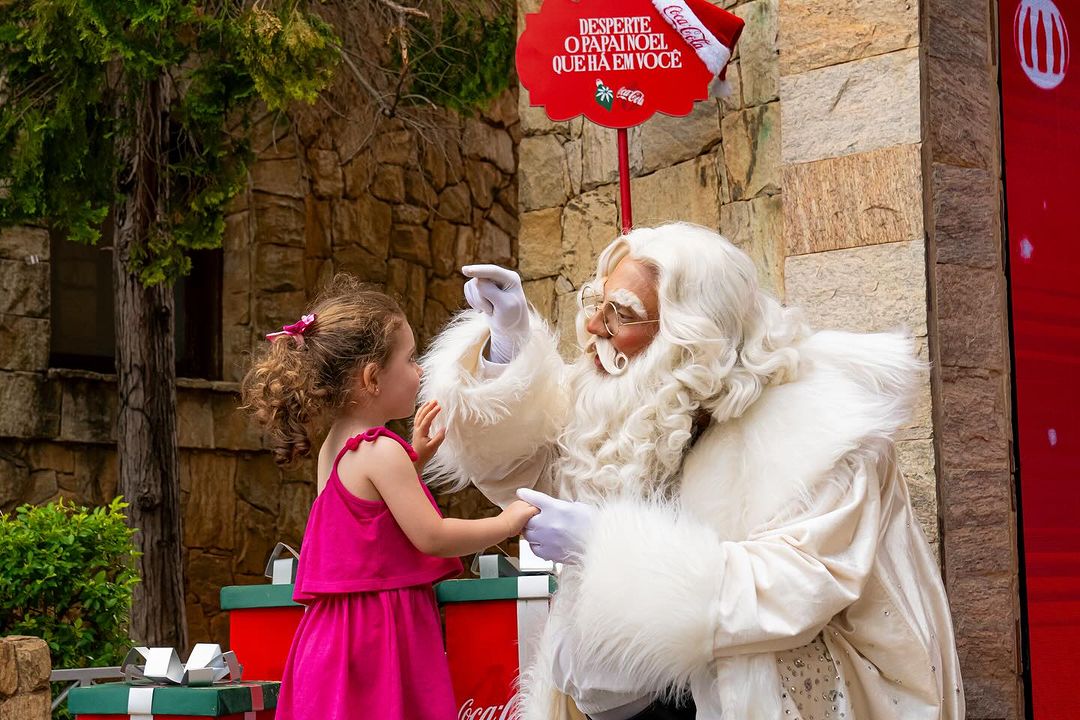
(370, 643)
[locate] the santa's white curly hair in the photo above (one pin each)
(721, 341)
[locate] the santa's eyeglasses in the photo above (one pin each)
(591, 302)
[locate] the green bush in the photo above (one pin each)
(67, 576)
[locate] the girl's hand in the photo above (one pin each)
(516, 515)
(423, 442)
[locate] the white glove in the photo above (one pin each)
(497, 293)
(558, 533)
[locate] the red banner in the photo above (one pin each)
(1040, 96)
(617, 62)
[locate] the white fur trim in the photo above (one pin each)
(679, 16)
(492, 424)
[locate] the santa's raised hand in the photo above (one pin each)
(496, 292)
(558, 533)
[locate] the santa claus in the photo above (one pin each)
(721, 485)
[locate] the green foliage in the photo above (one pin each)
(68, 573)
(465, 60)
(74, 73)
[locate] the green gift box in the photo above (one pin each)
(144, 701)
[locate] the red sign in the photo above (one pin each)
(1040, 95)
(614, 61)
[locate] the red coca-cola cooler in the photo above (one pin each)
(492, 627)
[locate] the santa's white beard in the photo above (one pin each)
(628, 431)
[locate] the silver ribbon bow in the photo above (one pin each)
(206, 665)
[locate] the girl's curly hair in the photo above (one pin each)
(294, 381)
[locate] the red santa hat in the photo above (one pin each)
(711, 31)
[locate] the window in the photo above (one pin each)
(83, 334)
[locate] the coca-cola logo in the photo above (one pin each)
(635, 97)
(693, 36)
(1042, 42)
(470, 711)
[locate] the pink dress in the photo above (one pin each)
(370, 642)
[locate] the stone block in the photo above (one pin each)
(534, 119)
(967, 225)
(819, 33)
(361, 263)
(484, 142)
(541, 295)
(14, 478)
(279, 177)
(296, 500)
(455, 204)
(318, 228)
(96, 473)
(279, 220)
(275, 310)
(506, 221)
(28, 706)
(258, 481)
(759, 52)
(916, 460)
(20, 242)
(25, 290)
(433, 164)
(982, 550)
(32, 661)
(396, 147)
(540, 249)
(9, 668)
(443, 238)
(389, 183)
(484, 180)
(867, 289)
(24, 343)
(278, 268)
(962, 112)
(589, 224)
(410, 242)
(854, 200)
(449, 293)
(600, 155)
(359, 173)
(752, 151)
(689, 191)
(210, 505)
(851, 108)
(566, 311)
(464, 246)
(29, 405)
(326, 177)
(974, 430)
(194, 418)
(544, 176)
(409, 215)
(975, 497)
(233, 427)
(255, 539)
(972, 326)
(365, 222)
(408, 284)
(88, 411)
(495, 245)
(733, 100)
(756, 226)
(666, 140)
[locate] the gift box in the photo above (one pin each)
(262, 622)
(144, 701)
(492, 626)
(264, 618)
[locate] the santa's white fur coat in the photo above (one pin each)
(790, 522)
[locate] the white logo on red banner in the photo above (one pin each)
(489, 712)
(1042, 42)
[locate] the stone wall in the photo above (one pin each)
(402, 206)
(719, 167)
(970, 350)
(24, 678)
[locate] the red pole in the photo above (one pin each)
(625, 211)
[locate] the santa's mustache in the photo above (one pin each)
(612, 360)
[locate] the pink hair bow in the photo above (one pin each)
(295, 330)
